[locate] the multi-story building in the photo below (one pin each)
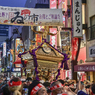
(4, 34)
(89, 26)
(90, 45)
(37, 4)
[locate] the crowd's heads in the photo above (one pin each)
(92, 82)
(67, 78)
(29, 81)
(15, 84)
(93, 89)
(88, 86)
(47, 86)
(56, 88)
(36, 88)
(62, 81)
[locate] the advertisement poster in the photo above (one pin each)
(18, 49)
(53, 4)
(65, 41)
(38, 39)
(53, 39)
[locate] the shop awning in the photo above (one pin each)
(19, 62)
(89, 66)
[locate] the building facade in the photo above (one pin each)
(90, 45)
(88, 66)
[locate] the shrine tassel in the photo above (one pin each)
(66, 66)
(35, 64)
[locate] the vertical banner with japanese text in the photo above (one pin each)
(4, 49)
(53, 39)
(38, 39)
(39, 36)
(53, 4)
(77, 18)
(75, 42)
(18, 44)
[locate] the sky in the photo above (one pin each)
(13, 3)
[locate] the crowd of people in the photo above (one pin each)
(16, 86)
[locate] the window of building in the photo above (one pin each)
(92, 28)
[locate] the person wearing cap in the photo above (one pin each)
(36, 88)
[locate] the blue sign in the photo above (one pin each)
(4, 29)
(16, 69)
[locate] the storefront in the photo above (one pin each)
(88, 68)
(81, 65)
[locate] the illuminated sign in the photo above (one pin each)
(53, 39)
(16, 69)
(4, 49)
(53, 4)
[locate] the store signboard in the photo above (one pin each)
(0, 54)
(4, 49)
(66, 42)
(53, 39)
(85, 68)
(77, 18)
(18, 48)
(38, 39)
(92, 51)
(4, 29)
(18, 44)
(39, 36)
(16, 69)
(62, 4)
(18, 65)
(53, 4)
(65, 38)
(30, 16)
